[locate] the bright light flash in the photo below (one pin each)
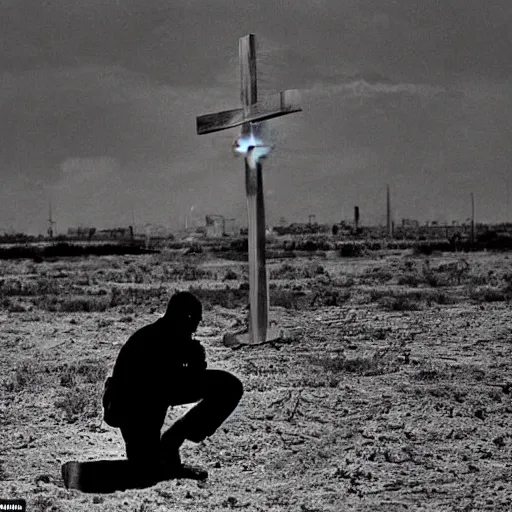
(252, 147)
(243, 143)
(253, 144)
(255, 154)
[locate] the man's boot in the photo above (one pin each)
(172, 466)
(170, 444)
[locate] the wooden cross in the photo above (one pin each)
(250, 118)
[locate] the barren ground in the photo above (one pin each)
(389, 391)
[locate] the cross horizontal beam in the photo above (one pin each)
(275, 105)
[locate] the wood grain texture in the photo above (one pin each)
(258, 294)
(248, 72)
(258, 285)
(250, 118)
(275, 105)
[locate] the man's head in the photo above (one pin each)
(184, 311)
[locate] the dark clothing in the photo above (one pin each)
(149, 365)
(218, 393)
(154, 370)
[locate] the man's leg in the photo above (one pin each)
(218, 393)
(142, 443)
(142, 440)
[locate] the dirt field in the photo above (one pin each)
(391, 389)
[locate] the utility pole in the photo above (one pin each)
(508, 200)
(389, 225)
(356, 218)
(51, 222)
(472, 218)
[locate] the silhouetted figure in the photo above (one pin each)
(161, 365)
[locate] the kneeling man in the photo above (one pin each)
(162, 365)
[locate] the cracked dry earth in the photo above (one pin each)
(358, 408)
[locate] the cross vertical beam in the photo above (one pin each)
(472, 218)
(248, 75)
(258, 291)
(250, 117)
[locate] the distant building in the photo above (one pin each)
(231, 228)
(410, 224)
(81, 233)
(158, 231)
(115, 233)
(218, 226)
(215, 225)
(151, 231)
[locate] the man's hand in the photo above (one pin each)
(195, 356)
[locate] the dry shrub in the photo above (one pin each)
(43, 504)
(381, 362)
(230, 275)
(77, 304)
(481, 279)
(115, 276)
(135, 274)
(287, 271)
(352, 250)
(296, 298)
(12, 306)
(392, 300)
(27, 377)
(447, 274)
(411, 279)
(288, 299)
(314, 269)
(121, 296)
(225, 297)
(343, 282)
(429, 247)
(81, 402)
(329, 296)
(90, 371)
(487, 294)
(427, 373)
(32, 376)
(28, 287)
(186, 272)
(84, 304)
(439, 297)
(433, 278)
(400, 303)
(284, 271)
(507, 287)
(377, 275)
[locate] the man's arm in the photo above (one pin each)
(196, 356)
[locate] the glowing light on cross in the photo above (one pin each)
(253, 146)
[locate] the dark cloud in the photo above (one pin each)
(414, 93)
(187, 42)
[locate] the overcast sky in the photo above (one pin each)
(98, 101)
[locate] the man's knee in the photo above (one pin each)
(227, 384)
(237, 388)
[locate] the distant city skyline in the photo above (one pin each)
(98, 102)
(200, 222)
